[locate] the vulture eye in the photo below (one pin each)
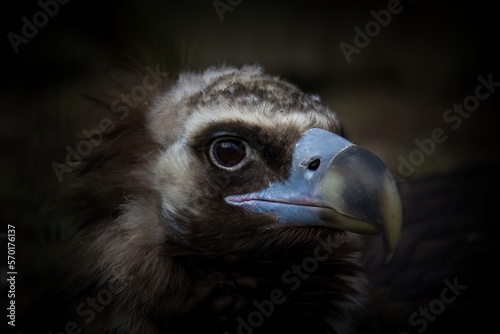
(229, 153)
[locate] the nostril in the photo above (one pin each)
(314, 165)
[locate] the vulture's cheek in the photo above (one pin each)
(177, 180)
(193, 191)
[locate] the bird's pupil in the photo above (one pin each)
(230, 152)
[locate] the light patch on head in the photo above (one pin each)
(173, 116)
(257, 116)
(190, 83)
(174, 175)
(177, 182)
(169, 111)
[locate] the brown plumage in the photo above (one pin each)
(154, 245)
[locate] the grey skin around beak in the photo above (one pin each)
(332, 183)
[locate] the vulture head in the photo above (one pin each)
(228, 203)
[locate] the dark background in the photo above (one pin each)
(393, 92)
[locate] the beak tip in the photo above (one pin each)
(359, 186)
(390, 247)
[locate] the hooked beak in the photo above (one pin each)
(332, 183)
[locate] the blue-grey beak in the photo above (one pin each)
(332, 183)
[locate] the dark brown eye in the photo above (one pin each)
(229, 153)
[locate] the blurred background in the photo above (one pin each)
(393, 91)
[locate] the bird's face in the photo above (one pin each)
(257, 157)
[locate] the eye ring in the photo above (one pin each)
(229, 153)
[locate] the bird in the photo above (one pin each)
(229, 201)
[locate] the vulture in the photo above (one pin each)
(229, 201)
